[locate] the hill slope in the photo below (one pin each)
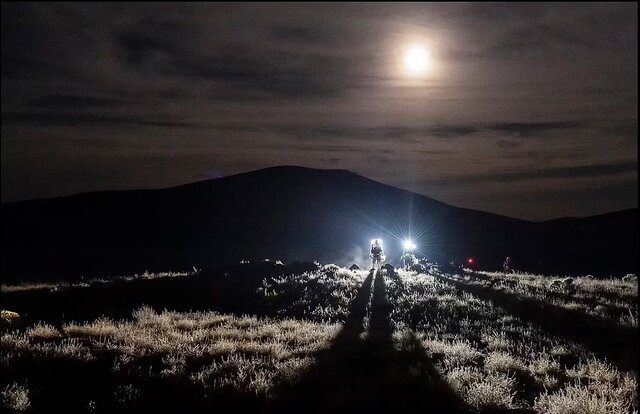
(291, 213)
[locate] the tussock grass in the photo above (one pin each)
(494, 390)
(590, 398)
(493, 358)
(16, 397)
(456, 353)
(396, 331)
(611, 299)
(43, 331)
(499, 361)
(547, 370)
(200, 350)
(483, 390)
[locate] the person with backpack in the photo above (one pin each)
(376, 254)
(408, 258)
(507, 266)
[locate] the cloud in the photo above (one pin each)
(332, 161)
(63, 119)
(542, 156)
(529, 129)
(518, 129)
(262, 84)
(448, 131)
(581, 171)
(247, 74)
(508, 144)
(336, 148)
(536, 38)
(141, 40)
(233, 69)
(59, 101)
(418, 132)
(138, 47)
(28, 68)
(300, 34)
(626, 128)
(536, 30)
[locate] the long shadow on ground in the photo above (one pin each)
(370, 374)
(616, 343)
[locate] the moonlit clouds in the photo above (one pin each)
(107, 96)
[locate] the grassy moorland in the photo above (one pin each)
(55, 286)
(277, 338)
(613, 300)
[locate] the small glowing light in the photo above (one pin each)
(408, 245)
(470, 260)
(417, 60)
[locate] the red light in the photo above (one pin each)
(470, 260)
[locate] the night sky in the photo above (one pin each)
(527, 110)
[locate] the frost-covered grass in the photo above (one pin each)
(494, 359)
(613, 300)
(324, 295)
(339, 328)
(16, 397)
(204, 352)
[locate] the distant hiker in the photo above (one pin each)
(376, 254)
(507, 266)
(407, 260)
(408, 257)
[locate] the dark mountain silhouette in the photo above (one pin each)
(290, 213)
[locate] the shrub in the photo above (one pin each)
(495, 390)
(502, 362)
(16, 397)
(482, 390)
(582, 399)
(11, 320)
(43, 331)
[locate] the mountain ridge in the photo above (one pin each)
(297, 167)
(290, 213)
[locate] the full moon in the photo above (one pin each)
(417, 60)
